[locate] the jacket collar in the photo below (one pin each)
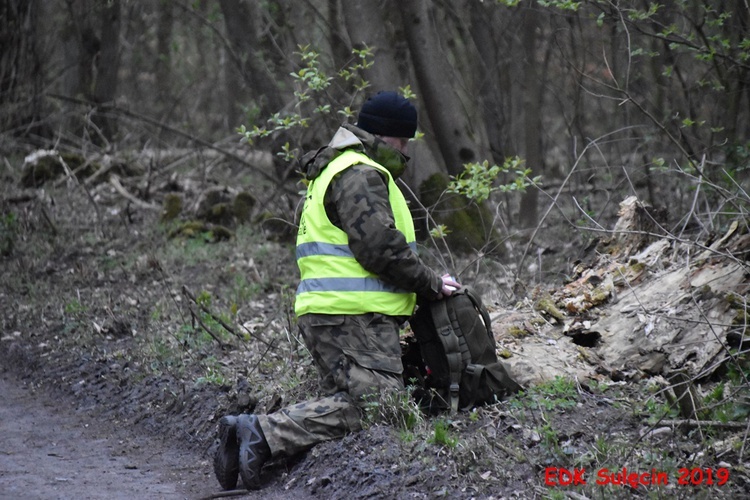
(351, 137)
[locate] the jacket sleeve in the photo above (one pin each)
(360, 197)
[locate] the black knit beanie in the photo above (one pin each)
(389, 114)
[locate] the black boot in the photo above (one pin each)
(254, 450)
(227, 458)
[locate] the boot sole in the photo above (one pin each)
(249, 437)
(226, 459)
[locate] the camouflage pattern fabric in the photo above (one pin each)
(356, 356)
(357, 202)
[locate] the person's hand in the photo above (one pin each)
(449, 286)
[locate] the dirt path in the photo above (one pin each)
(49, 451)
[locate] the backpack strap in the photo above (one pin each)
(474, 372)
(482, 310)
(450, 344)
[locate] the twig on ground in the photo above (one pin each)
(115, 181)
(226, 494)
(48, 219)
(70, 174)
(223, 323)
(691, 422)
(744, 441)
(196, 317)
(692, 207)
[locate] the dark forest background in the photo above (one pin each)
(601, 99)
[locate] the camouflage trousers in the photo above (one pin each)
(356, 356)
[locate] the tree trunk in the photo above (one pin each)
(163, 60)
(242, 21)
(370, 24)
(107, 64)
(340, 47)
(492, 75)
(80, 46)
(377, 25)
(21, 78)
(528, 214)
(438, 86)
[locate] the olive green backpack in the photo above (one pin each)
(457, 347)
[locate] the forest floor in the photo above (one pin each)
(123, 342)
(51, 449)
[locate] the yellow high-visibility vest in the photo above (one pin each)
(332, 281)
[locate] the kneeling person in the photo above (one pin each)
(360, 277)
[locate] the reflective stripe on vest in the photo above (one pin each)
(318, 248)
(332, 281)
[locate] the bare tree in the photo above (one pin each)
(532, 98)
(244, 28)
(439, 86)
(488, 27)
(163, 60)
(370, 24)
(107, 63)
(21, 76)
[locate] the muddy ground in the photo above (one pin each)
(50, 449)
(126, 338)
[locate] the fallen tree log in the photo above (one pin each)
(645, 306)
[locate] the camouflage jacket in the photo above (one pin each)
(357, 202)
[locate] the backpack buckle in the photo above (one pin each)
(454, 397)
